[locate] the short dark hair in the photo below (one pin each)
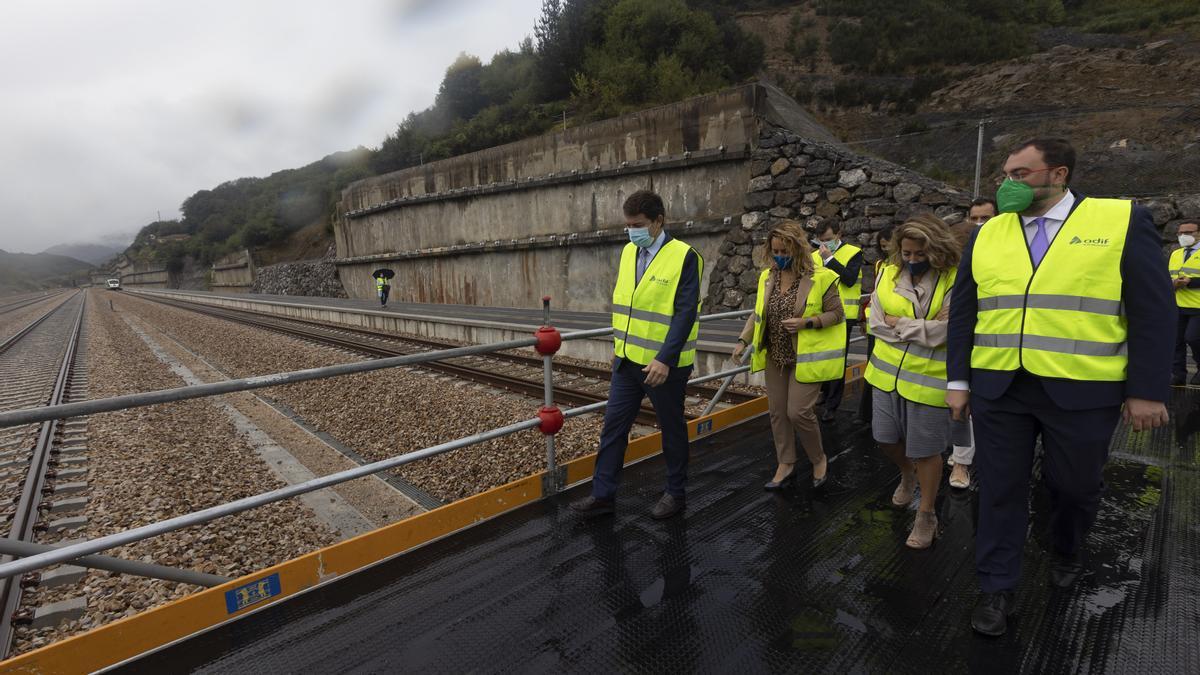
(646, 203)
(829, 225)
(980, 201)
(1055, 152)
(886, 233)
(1188, 222)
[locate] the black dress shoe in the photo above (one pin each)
(669, 505)
(992, 612)
(590, 507)
(828, 415)
(775, 485)
(1066, 570)
(818, 482)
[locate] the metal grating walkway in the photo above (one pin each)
(754, 582)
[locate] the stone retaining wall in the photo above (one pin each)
(818, 183)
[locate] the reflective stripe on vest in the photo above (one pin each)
(641, 312)
(820, 352)
(850, 294)
(1065, 320)
(918, 373)
(1185, 297)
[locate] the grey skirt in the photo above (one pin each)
(925, 430)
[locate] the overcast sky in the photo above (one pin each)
(114, 110)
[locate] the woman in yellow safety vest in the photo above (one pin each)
(907, 368)
(798, 332)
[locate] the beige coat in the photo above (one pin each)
(929, 333)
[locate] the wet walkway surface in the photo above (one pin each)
(749, 581)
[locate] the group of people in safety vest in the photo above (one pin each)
(1047, 315)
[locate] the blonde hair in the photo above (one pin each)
(791, 233)
(941, 246)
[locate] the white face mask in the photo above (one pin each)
(1186, 240)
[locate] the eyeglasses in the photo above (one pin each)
(1022, 174)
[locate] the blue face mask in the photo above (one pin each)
(783, 261)
(640, 236)
(917, 269)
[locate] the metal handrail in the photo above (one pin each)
(82, 408)
(73, 551)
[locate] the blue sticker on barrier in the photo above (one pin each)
(704, 427)
(256, 591)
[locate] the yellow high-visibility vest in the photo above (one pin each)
(820, 352)
(917, 373)
(1185, 297)
(641, 312)
(380, 283)
(1065, 320)
(850, 294)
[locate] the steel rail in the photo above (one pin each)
(326, 335)
(91, 407)
(21, 528)
(530, 361)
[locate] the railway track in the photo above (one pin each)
(511, 372)
(40, 365)
(24, 302)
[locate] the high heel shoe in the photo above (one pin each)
(775, 485)
(818, 482)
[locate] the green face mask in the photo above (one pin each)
(1014, 196)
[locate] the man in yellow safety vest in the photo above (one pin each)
(655, 306)
(1061, 316)
(846, 261)
(1184, 268)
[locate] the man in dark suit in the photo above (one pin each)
(656, 303)
(1062, 315)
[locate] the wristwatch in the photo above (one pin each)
(743, 341)
(808, 324)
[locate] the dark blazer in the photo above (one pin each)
(849, 273)
(1149, 306)
(687, 306)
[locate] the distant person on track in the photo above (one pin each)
(798, 334)
(1184, 268)
(655, 306)
(382, 286)
(910, 309)
(1062, 315)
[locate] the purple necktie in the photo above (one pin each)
(1039, 245)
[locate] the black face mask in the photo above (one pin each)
(917, 269)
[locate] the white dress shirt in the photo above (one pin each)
(1055, 217)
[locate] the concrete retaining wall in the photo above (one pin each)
(510, 224)
(234, 273)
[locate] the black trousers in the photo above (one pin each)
(625, 394)
(383, 294)
(832, 390)
(865, 408)
(1076, 448)
(1187, 334)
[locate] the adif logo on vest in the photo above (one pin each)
(658, 280)
(1098, 241)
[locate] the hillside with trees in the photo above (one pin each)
(34, 271)
(868, 68)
